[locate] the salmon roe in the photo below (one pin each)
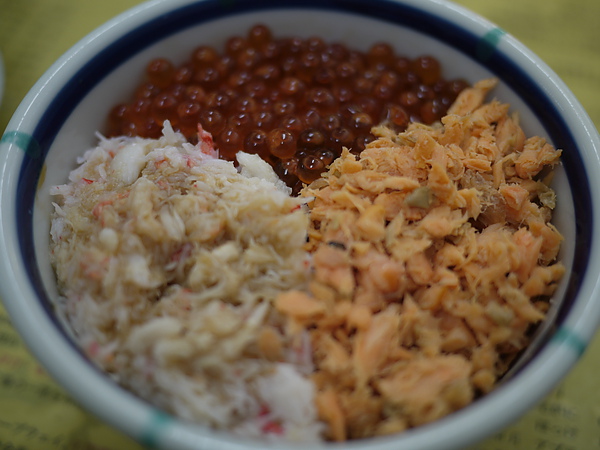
(295, 102)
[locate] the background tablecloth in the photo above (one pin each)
(35, 413)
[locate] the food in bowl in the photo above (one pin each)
(429, 257)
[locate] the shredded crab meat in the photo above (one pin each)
(169, 259)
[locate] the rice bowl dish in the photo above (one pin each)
(352, 395)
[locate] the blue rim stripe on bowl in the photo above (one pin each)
(571, 339)
(158, 422)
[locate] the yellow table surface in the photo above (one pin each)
(35, 413)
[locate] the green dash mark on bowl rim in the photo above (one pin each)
(24, 141)
(571, 339)
(488, 43)
(155, 426)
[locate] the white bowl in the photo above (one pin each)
(57, 120)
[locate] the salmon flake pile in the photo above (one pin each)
(433, 258)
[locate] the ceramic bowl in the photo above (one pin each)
(58, 119)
